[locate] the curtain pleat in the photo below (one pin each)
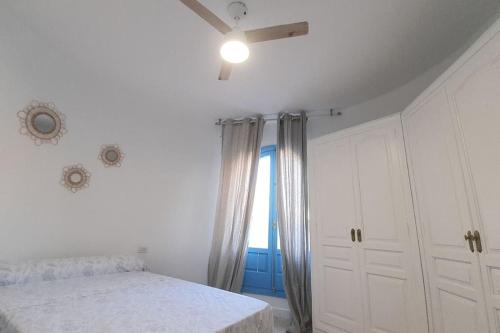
(293, 217)
(240, 157)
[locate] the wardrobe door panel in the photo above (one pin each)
(388, 304)
(377, 206)
(477, 102)
(456, 310)
(336, 289)
(444, 217)
(390, 264)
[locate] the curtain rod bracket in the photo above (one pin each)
(335, 113)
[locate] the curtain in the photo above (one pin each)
(240, 157)
(293, 217)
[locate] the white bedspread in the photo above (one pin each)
(128, 302)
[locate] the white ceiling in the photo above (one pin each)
(159, 49)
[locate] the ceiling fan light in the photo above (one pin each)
(235, 49)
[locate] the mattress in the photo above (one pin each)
(128, 302)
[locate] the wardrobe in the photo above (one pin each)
(366, 267)
(405, 210)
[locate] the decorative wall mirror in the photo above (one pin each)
(42, 122)
(111, 155)
(75, 177)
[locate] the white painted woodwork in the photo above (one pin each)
(359, 180)
(453, 146)
(475, 92)
(444, 217)
(337, 306)
(389, 257)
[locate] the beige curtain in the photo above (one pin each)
(240, 157)
(293, 217)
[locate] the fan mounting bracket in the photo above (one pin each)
(237, 10)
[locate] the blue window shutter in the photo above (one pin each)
(263, 270)
(258, 273)
(279, 288)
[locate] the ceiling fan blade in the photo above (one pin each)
(225, 71)
(207, 15)
(277, 32)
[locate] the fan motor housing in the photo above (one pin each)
(238, 10)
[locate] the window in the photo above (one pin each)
(263, 274)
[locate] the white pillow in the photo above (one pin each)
(7, 273)
(66, 268)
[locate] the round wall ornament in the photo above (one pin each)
(75, 177)
(111, 155)
(42, 122)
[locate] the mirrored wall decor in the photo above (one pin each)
(42, 122)
(111, 155)
(75, 177)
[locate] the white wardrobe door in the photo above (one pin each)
(336, 289)
(391, 274)
(443, 216)
(477, 99)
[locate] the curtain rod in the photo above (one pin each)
(274, 117)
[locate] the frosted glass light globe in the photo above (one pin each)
(234, 51)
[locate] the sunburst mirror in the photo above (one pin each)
(42, 123)
(111, 155)
(75, 177)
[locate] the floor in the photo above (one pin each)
(280, 325)
(280, 309)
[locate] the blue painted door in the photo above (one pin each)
(263, 272)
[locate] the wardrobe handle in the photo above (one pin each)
(477, 238)
(359, 235)
(468, 237)
(353, 235)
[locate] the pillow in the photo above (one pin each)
(7, 274)
(66, 268)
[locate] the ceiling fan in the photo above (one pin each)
(235, 49)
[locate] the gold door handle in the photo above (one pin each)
(468, 237)
(353, 235)
(359, 235)
(477, 238)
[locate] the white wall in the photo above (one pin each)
(392, 102)
(384, 105)
(163, 196)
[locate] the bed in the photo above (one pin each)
(116, 294)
